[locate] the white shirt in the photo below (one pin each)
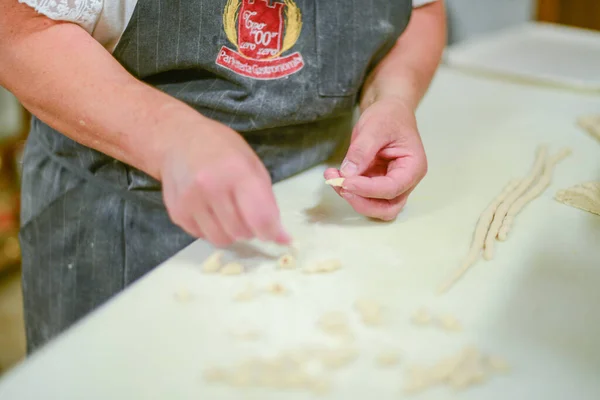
(105, 20)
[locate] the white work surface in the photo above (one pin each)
(537, 304)
(535, 51)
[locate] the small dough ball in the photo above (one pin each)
(212, 264)
(233, 268)
(277, 289)
(286, 261)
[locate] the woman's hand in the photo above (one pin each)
(385, 161)
(215, 187)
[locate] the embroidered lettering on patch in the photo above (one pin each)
(261, 31)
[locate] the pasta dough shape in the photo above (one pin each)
(335, 182)
(533, 193)
(488, 252)
(323, 267)
(585, 196)
(591, 123)
(233, 268)
(213, 263)
(286, 261)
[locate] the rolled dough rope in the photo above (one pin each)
(534, 192)
(488, 249)
(483, 224)
(335, 182)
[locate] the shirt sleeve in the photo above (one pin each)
(419, 3)
(84, 13)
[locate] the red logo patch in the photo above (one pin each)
(261, 30)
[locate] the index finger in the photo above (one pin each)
(397, 181)
(258, 207)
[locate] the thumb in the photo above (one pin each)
(361, 153)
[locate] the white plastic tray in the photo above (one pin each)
(540, 52)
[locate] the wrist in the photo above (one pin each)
(163, 127)
(402, 91)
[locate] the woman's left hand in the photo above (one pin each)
(385, 161)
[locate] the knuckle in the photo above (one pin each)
(205, 181)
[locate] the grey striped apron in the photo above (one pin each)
(286, 74)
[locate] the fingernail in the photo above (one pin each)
(346, 195)
(348, 168)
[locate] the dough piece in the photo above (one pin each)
(335, 182)
(585, 196)
(533, 193)
(421, 317)
(388, 358)
(591, 123)
(334, 323)
(488, 252)
(369, 311)
(323, 267)
(286, 261)
(483, 225)
(247, 294)
(233, 268)
(449, 323)
(277, 289)
(213, 263)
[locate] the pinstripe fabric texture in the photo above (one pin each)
(92, 225)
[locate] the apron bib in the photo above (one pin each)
(286, 74)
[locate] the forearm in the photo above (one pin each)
(64, 77)
(408, 69)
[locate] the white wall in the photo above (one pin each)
(468, 18)
(11, 115)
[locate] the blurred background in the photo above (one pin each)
(468, 19)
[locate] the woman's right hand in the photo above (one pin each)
(215, 187)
